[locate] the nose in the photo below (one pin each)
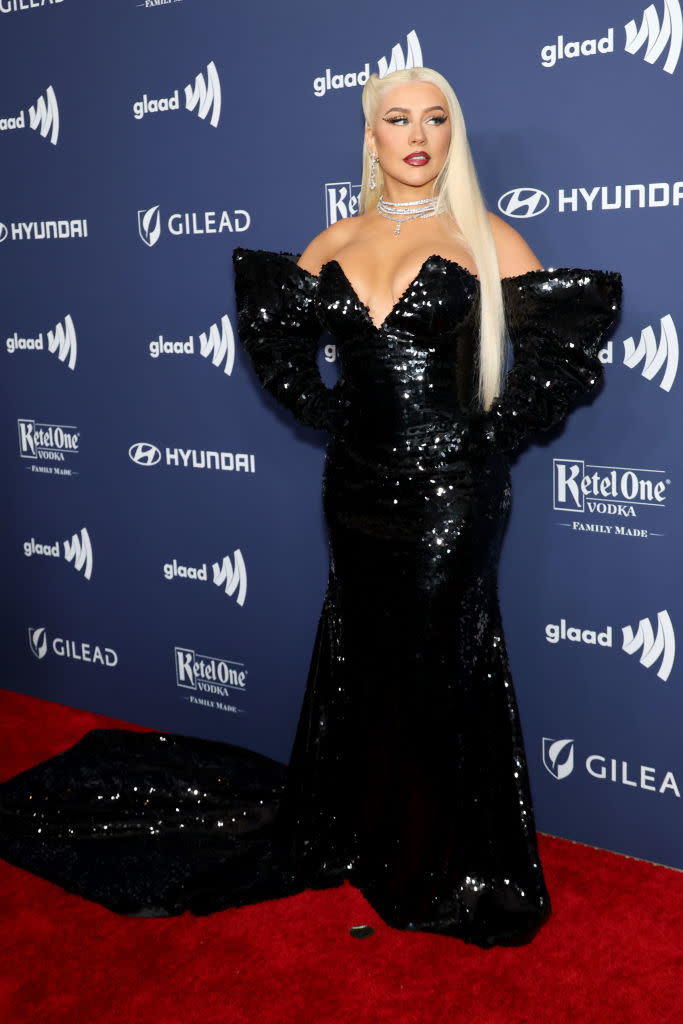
(417, 133)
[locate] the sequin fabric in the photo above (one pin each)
(408, 773)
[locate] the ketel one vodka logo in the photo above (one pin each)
(207, 674)
(655, 359)
(341, 200)
(43, 117)
(190, 222)
(77, 550)
(47, 446)
(216, 344)
(75, 650)
(658, 40)
(61, 341)
(400, 59)
(230, 574)
(652, 648)
(204, 97)
(615, 491)
(559, 761)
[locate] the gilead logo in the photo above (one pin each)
(75, 650)
(13, 6)
(558, 760)
(195, 222)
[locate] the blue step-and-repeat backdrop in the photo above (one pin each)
(163, 545)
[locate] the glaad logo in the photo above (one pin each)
(61, 342)
(43, 117)
(231, 577)
(49, 443)
(40, 230)
(654, 356)
(652, 34)
(618, 491)
(655, 36)
(209, 222)
(341, 200)
(76, 650)
(204, 97)
(558, 760)
(145, 454)
(399, 60)
(216, 344)
(77, 550)
(530, 202)
(216, 677)
(653, 647)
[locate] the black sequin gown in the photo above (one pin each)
(408, 773)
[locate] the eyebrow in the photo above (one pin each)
(407, 110)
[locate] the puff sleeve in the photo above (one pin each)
(279, 330)
(557, 322)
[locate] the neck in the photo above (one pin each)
(396, 192)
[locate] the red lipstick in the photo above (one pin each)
(417, 159)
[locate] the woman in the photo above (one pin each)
(408, 773)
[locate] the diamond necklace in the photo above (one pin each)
(399, 213)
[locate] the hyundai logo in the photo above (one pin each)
(523, 202)
(144, 454)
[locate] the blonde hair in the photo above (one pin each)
(458, 197)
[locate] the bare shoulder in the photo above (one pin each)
(515, 256)
(327, 244)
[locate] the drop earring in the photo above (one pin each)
(373, 179)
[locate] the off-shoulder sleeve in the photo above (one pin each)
(557, 322)
(279, 330)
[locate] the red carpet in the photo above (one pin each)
(611, 953)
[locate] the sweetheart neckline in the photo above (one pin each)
(406, 290)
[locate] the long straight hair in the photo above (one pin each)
(458, 197)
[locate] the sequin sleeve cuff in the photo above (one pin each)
(279, 330)
(557, 322)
